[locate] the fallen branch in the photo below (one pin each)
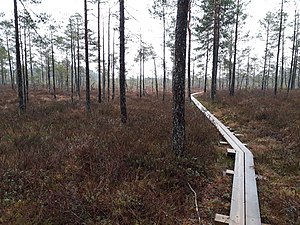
(196, 203)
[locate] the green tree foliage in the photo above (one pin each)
(205, 23)
(205, 32)
(162, 9)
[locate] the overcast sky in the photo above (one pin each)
(140, 20)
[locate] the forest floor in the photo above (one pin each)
(271, 128)
(60, 165)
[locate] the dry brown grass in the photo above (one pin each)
(59, 165)
(271, 127)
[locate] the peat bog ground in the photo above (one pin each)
(271, 128)
(60, 165)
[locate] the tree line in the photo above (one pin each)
(214, 32)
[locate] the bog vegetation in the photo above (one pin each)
(62, 166)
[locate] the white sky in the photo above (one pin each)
(143, 23)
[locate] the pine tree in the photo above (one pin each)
(122, 78)
(217, 8)
(278, 48)
(20, 80)
(179, 78)
(87, 68)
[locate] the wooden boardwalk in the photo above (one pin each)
(244, 208)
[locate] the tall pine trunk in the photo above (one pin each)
(78, 60)
(26, 87)
(143, 60)
(103, 66)
(290, 83)
(178, 140)
(48, 73)
(122, 78)
(189, 52)
(206, 66)
(230, 62)
(30, 61)
(87, 67)
(215, 49)
(113, 69)
(72, 65)
(263, 84)
(53, 67)
(20, 81)
(9, 63)
(141, 70)
(232, 86)
(164, 54)
(155, 74)
(282, 59)
(248, 71)
(67, 70)
(278, 50)
(108, 56)
(99, 54)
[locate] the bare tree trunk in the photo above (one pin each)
(164, 54)
(99, 54)
(215, 48)
(75, 68)
(282, 61)
(20, 81)
(141, 72)
(103, 67)
(296, 61)
(53, 67)
(30, 61)
(263, 87)
(143, 59)
(72, 65)
(294, 76)
(155, 74)
(193, 77)
(122, 65)
(206, 66)
(67, 70)
(48, 73)
(248, 71)
(26, 89)
(78, 60)
(42, 68)
(113, 69)
(9, 63)
(278, 50)
(230, 63)
(290, 84)
(3, 80)
(232, 86)
(87, 67)
(189, 53)
(268, 75)
(179, 78)
(108, 56)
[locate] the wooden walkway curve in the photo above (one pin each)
(244, 207)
